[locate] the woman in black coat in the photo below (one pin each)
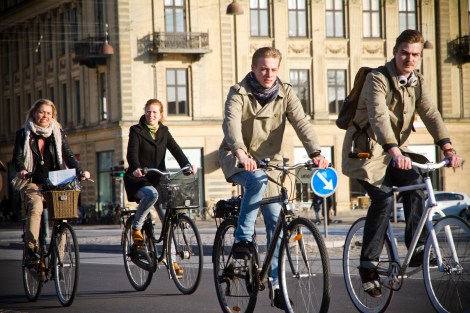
(148, 142)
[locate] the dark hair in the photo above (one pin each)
(409, 36)
(266, 52)
(154, 101)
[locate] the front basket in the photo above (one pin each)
(62, 204)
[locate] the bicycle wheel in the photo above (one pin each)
(304, 268)
(66, 264)
(139, 270)
(351, 261)
(448, 287)
(236, 288)
(33, 273)
(185, 254)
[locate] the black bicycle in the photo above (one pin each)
(181, 252)
(59, 260)
(303, 258)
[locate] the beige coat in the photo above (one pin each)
(390, 124)
(259, 130)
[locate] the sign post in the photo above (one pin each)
(324, 183)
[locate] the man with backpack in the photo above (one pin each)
(375, 152)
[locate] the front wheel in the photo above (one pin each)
(185, 254)
(66, 264)
(139, 269)
(351, 262)
(304, 274)
(448, 285)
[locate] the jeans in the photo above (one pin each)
(148, 196)
(255, 184)
(381, 207)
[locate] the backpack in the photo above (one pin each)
(348, 110)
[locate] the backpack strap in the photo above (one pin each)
(383, 70)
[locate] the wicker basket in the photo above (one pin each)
(62, 204)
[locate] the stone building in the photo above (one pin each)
(99, 61)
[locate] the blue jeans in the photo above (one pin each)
(255, 184)
(147, 195)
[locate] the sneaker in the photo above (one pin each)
(417, 259)
(278, 300)
(137, 238)
(31, 257)
(178, 270)
(370, 281)
(242, 250)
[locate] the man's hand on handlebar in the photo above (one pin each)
(248, 163)
(320, 161)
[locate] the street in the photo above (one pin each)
(103, 284)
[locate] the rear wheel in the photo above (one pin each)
(448, 286)
(33, 274)
(139, 270)
(304, 268)
(351, 262)
(185, 254)
(236, 281)
(66, 264)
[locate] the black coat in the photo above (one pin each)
(144, 151)
(68, 157)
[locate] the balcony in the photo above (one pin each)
(458, 50)
(196, 44)
(89, 52)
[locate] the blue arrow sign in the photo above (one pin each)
(324, 182)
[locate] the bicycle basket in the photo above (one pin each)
(179, 194)
(224, 208)
(62, 204)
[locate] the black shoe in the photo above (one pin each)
(242, 250)
(31, 257)
(278, 300)
(370, 281)
(417, 259)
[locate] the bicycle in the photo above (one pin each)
(182, 252)
(303, 258)
(59, 260)
(447, 283)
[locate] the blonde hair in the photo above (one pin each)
(37, 104)
(157, 102)
(266, 52)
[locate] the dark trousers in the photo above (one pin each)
(381, 207)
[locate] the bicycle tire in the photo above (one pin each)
(448, 289)
(33, 274)
(139, 276)
(184, 248)
(304, 272)
(234, 290)
(351, 261)
(66, 264)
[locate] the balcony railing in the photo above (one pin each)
(458, 50)
(89, 52)
(180, 43)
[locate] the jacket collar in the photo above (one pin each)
(143, 130)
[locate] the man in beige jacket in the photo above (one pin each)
(387, 126)
(256, 112)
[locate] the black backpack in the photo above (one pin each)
(348, 110)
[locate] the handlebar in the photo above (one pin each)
(147, 170)
(430, 166)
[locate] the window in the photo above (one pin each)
(49, 43)
(407, 14)
(300, 82)
(16, 56)
(297, 18)
(5, 60)
(336, 90)
(105, 163)
(371, 18)
(51, 94)
(174, 16)
(177, 91)
(62, 33)
(334, 18)
(27, 46)
(18, 107)
(64, 107)
(259, 18)
(74, 26)
(100, 17)
(78, 108)
(103, 100)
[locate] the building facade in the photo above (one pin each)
(100, 61)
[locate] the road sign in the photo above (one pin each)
(324, 182)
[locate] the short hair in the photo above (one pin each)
(266, 52)
(157, 102)
(37, 104)
(409, 36)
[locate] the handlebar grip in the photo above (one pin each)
(145, 170)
